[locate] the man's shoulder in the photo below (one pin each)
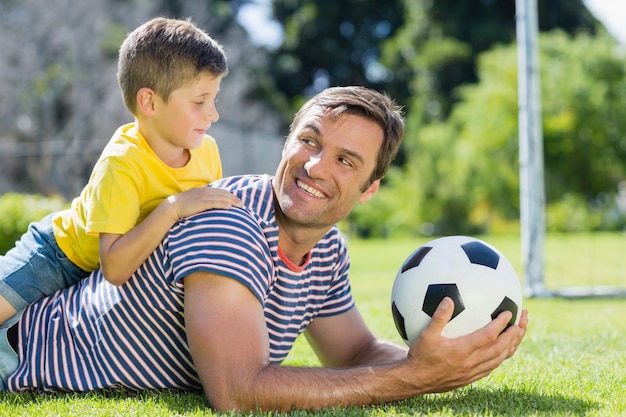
(255, 217)
(234, 235)
(333, 244)
(244, 182)
(253, 224)
(255, 192)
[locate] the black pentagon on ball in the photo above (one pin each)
(506, 304)
(398, 319)
(481, 254)
(416, 258)
(436, 292)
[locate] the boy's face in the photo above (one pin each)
(183, 120)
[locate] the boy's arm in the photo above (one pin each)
(121, 255)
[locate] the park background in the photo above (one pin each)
(452, 65)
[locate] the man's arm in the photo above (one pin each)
(229, 344)
(345, 340)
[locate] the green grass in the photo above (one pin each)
(572, 362)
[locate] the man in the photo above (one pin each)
(253, 279)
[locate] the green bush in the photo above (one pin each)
(572, 213)
(17, 211)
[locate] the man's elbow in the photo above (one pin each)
(224, 403)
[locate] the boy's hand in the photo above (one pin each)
(121, 255)
(199, 199)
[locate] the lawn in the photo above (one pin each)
(572, 362)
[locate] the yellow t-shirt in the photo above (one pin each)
(126, 184)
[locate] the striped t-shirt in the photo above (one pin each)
(95, 335)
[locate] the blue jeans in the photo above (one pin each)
(9, 360)
(36, 267)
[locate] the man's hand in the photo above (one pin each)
(443, 364)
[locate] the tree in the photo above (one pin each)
(327, 43)
(59, 96)
(59, 99)
(437, 46)
(465, 169)
(408, 48)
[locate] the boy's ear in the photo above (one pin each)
(145, 101)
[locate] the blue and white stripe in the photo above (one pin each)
(95, 335)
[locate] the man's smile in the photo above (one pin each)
(310, 190)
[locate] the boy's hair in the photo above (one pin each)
(370, 104)
(166, 54)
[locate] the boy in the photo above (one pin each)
(152, 172)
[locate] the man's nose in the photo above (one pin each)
(316, 165)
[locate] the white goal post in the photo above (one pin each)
(532, 193)
(531, 161)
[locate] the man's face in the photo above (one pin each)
(325, 169)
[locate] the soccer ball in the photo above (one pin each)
(479, 279)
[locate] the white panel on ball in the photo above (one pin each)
(477, 276)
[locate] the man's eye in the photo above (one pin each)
(345, 162)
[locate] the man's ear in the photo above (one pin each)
(371, 190)
(145, 101)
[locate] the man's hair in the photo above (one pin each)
(166, 54)
(370, 104)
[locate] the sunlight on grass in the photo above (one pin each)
(572, 362)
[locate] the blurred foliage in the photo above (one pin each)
(450, 64)
(408, 48)
(327, 43)
(453, 67)
(464, 171)
(17, 211)
(59, 98)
